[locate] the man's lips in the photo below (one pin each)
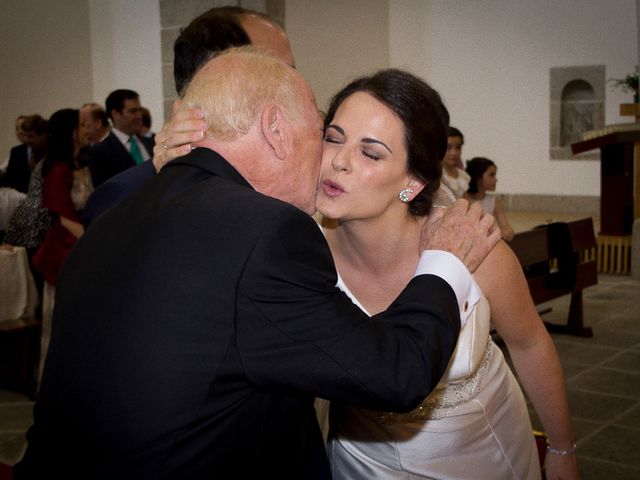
(331, 188)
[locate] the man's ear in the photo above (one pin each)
(274, 129)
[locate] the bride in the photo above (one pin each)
(384, 138)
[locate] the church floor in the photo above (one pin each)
(602, 376)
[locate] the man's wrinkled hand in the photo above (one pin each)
(462, 229)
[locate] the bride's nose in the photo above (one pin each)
(340, 160)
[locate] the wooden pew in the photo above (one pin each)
(19, 355)
(558, 259)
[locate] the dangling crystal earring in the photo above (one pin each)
(404, 195)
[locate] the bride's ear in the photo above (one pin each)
(416, 185)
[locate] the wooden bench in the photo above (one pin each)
(558, 259)
(19, 355)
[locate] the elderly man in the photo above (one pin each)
(197, 320)
(208, 34)
(94, 118)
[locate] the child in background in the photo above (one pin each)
(454, 178)
(483, 179)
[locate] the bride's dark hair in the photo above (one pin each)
(425, 120)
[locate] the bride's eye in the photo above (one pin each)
(331, 138)
(371, 154)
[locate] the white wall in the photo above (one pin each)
(126, 51)
(46, 60)
(335, 41)
(490, 60)
(65, 53)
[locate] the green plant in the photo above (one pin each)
(628, 83)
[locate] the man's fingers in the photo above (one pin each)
(193, 114)
(459, 207)
(436, 214)
(487, 222)
(476, 210)
(178, 139)
(494, 235)
(176, 106)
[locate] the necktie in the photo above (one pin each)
(135, 150)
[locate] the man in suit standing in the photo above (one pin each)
(24, 157)
(197, 320)
(123, 147)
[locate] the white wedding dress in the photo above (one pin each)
(474, 425)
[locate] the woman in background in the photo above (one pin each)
(482, 172)
(29, 222)
(384, 140)
(65, 137)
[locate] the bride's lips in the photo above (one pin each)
(331, 188)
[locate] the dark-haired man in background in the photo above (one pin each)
(123, 148)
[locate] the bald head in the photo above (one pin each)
(266, 35)
(232, 89)
(261, 116)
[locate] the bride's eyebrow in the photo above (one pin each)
(373, 140)
(340, 130)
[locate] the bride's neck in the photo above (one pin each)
(376, 245)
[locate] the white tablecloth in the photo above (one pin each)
(9, 200)
(18, 294)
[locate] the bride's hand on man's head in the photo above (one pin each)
(177, 135)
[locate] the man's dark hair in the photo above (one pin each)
(35, 123)
(210, 33)
(115, 100)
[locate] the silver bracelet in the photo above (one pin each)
(560, 451)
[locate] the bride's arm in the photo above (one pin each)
(534, 355)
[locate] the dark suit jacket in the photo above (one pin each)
(116, 189)
(18, 171)
(196, 321)
(109, 157)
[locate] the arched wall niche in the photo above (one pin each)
(578, 112)
(576, 106)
